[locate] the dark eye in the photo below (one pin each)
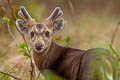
(32, 34)
(47, 33)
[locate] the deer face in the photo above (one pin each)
(40, 32)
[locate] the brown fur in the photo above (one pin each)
(58, 59)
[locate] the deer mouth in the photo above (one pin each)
(38, 50)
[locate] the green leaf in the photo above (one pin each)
(23, 48)
(58, 38)
(4, 19)
(21, 51)
(29, 47)
(8, 20)
(21, 45)
(51, 76)
(67, 45)
(67, 40)
(25, 54)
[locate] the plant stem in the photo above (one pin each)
(30, 56)
(10, 75)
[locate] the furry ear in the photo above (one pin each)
(21, 25)
(58, 25)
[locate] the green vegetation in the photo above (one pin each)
(4, 19)
(65, 41)
(23, 49)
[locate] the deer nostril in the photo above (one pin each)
(38, 46)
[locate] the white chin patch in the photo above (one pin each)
(38, 51)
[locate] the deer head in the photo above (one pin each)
(40, 32)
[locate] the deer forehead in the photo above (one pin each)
(42, 27)
(48, 23)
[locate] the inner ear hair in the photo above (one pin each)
(24, 13)
(21, 25)
(60, 22)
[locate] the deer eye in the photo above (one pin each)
(47, 33)
(32, 34)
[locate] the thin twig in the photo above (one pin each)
(31, 62)
(114, 51)
(9, 2)
(115, 32)
(9, 30)
(112, 41)
(13, 12)
(9, 71)
(10, 75)
(38, 76)
(4, 76)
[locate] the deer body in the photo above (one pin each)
(69, 63)
(75, 64)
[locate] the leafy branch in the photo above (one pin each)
(24, 46)
(7, 20)
(23, 49)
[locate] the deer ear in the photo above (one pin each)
(58, 25)
(21, 25)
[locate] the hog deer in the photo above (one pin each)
(69, 63)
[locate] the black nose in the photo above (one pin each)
(38, 46)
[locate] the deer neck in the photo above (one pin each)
(50, 58)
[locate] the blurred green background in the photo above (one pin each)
(89, 24)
